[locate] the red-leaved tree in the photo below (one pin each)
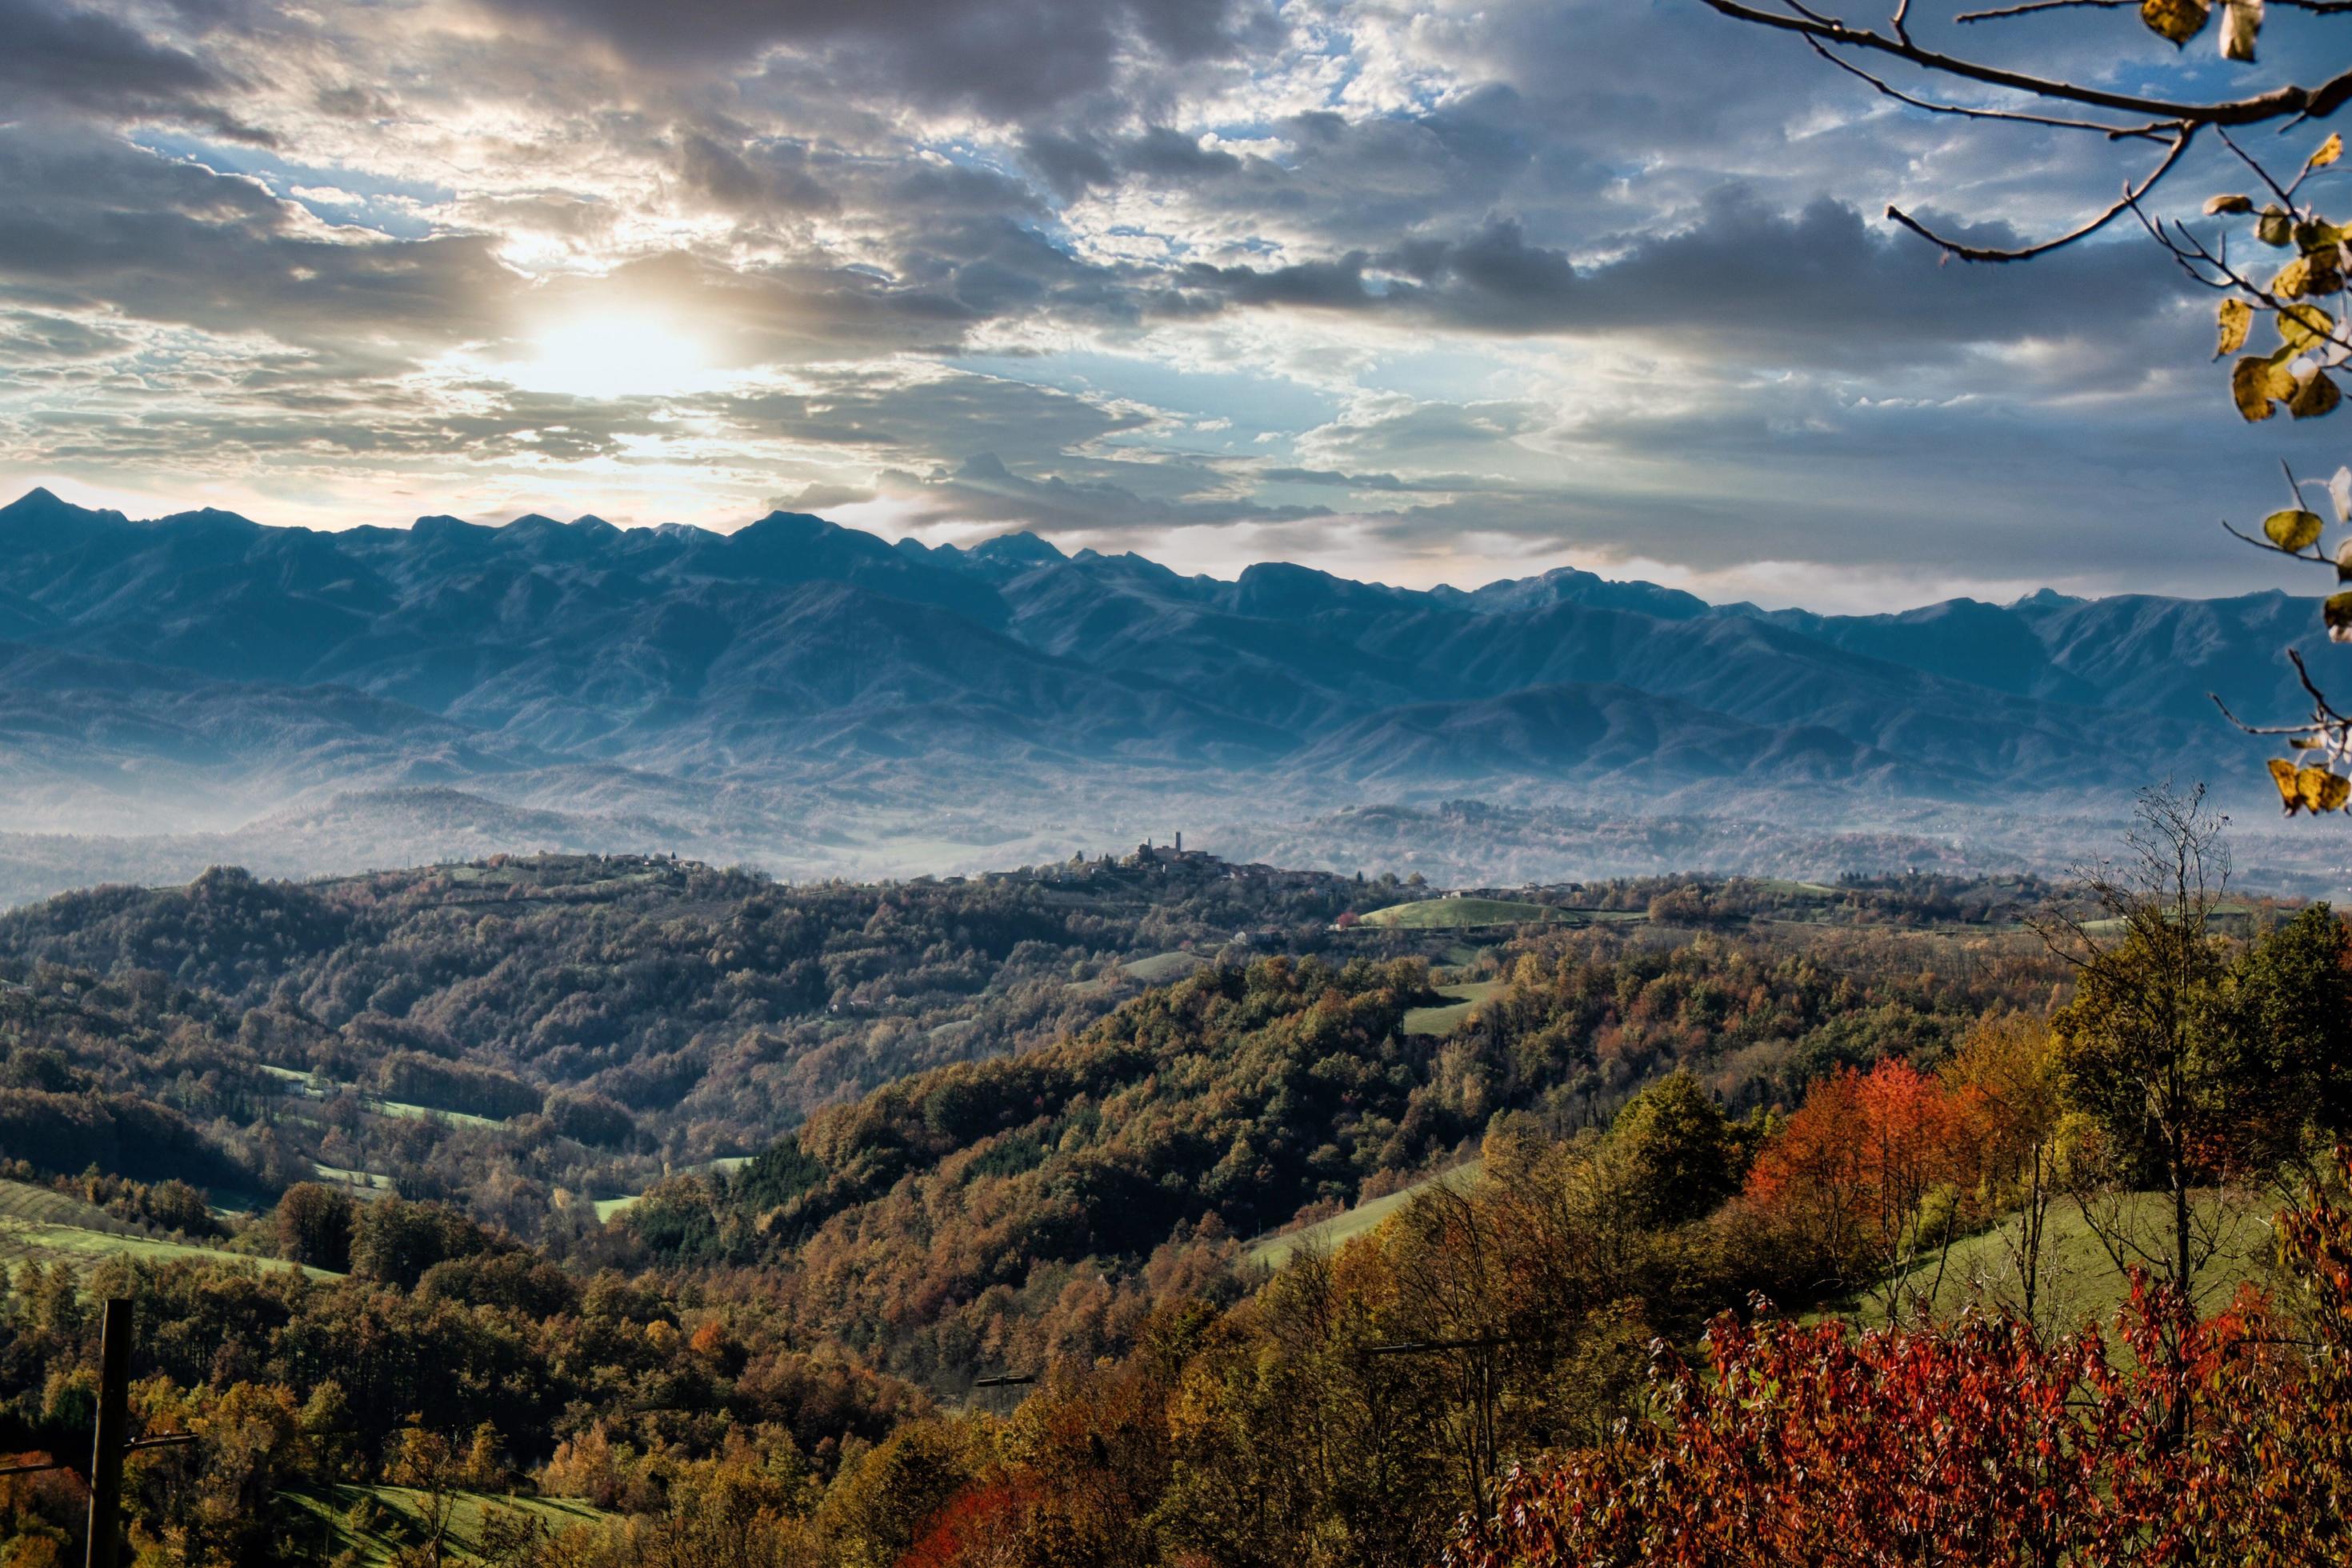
(2221, 1439)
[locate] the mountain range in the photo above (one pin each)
(190, 671)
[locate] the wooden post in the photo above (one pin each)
(106, 1450)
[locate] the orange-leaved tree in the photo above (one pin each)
(1848, 1179)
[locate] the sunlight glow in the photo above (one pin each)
(614, 357)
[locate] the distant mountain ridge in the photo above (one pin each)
(208, 651)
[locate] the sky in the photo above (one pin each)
(1417, 292)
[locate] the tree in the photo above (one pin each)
(2311, 338)
(1680, 1154)
(1848, 1177)
(2135, 1042)
(2173, 1044)
(2005, 1077)
(425, 1461)
(315, 1224)
(2289, 994)
(1981, 1442)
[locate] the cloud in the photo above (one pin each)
(1541, 278)
(91, 222)
(1005, 59)
(67, 58)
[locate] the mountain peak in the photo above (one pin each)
(41, 505)
(1019, 546)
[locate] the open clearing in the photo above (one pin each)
(41, 1226)
(1445, 1020)
(1476, 914)
(1277, 1249)
(1455, 914)
(317, 1088)
(329, 1523)
(726, 1165)
(2079, 1281)
(1161, 968)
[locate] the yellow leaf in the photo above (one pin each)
(2250, 386)
(2344, 561)
(2275, 227)
(2283, 775)
(2305, 743)
(2315, 397)
(2236, 317)
(2214, 205)
(2317, 273)
(2241, 22)
(2329, 151)
(2337, 613)
(2315, 235)
(2320, 790)
(2300, 326)
(2292, 530)
(2176, 20)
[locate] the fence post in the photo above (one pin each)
(106, 1450)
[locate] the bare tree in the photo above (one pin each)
(2151, 1048)
(2293, 290)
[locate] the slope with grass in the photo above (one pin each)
(39, 1224)
(1457, 914)
(1440, 1021)
(376, 1525)
(318, 1088)
(2079, 1278)
(1275, 1250)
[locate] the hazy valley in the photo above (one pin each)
(202, 690)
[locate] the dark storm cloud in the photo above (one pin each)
(93, 222)
(982, 488)
(1817, 287)
(57, 56)
(767, 177)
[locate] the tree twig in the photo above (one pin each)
(2279, 103)
(2151, 131)
(2129, 203)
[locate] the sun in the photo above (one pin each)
(613, 356)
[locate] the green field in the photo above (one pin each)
(1274, 1251)
(366, 1182)
(1457, 914)
(726, 1164)
(2079, 1280)
(1481, 914)
(41, 1226)
(1161, 968)
(328, 1524)
(398, 1109)
(1445, 1020)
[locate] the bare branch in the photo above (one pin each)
(2034, 6)
(2152, 131)
(2266, 544)
(2130, 203)
(2256, 728)
(2260, 173)
(2279, 103)
(2327, 710)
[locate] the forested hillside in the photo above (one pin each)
(940, 1197)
